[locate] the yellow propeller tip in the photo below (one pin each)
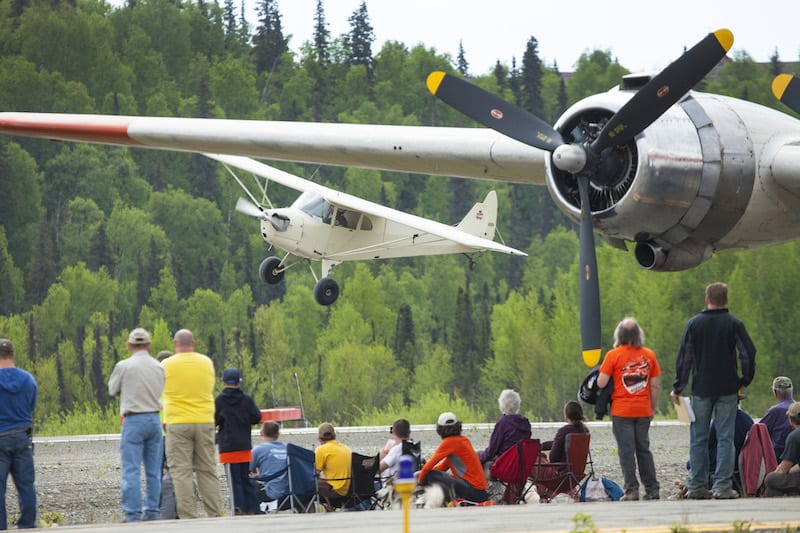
(780, 83)
(434, 80)
(591, 357)
(725, 38)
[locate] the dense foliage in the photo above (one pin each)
(97, 240)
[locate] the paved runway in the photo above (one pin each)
(751, 514)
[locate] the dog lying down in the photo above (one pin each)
(428, 497)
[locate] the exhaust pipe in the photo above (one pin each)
(650, 256)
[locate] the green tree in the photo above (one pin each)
(359, 40)
(10, 279)
(20, 202)
(462, 66)
(531, 79)
(269, 43)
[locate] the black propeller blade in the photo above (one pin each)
(586, 161)
(786, 88)
(661, 92)
(493, 112)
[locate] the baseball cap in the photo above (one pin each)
(794, 410)
(781, 382)
(6, 346)
(231, 376)
(447, 419)
(139, 336)
(326, 431)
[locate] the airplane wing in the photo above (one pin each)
(348, 201)
(465, 152)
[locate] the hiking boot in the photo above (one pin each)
(630, 496)
(699, 494)
(728, 494)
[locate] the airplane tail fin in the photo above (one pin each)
(482, 218)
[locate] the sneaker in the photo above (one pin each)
(654, 496)
(729, 494)
(630, 496)
(699, 494)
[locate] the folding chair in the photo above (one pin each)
(565, 477)
(514, 467)
(414, 449)
(361, 495)
(300, 464)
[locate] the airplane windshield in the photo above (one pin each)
(316, 206)
(313, 204)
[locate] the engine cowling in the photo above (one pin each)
(675, 191)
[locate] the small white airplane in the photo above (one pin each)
(330, 226)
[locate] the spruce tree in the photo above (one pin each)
(461, 62)
(269, 44)
(531, 86)
(359, 40)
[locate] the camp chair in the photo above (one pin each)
(565, 477)
(300, 464)
(756, 460)
(414, 449)
(361, 495)
(514, 467)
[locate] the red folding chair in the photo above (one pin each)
(552, 479)
(514, 468)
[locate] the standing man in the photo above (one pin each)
(18, 392)
(635, 372)
(775, 418)
(139, 382)
(708, 353)
(189, 396)
(234, 415)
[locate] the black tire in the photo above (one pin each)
(267, 270)
(326, 291)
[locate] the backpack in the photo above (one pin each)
(600, 489)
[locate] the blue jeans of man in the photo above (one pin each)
(633, 447)
(722, 409)
(16, 458)
(141, 443)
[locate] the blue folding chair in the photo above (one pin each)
(303, 494)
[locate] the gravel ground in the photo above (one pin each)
(78, 478)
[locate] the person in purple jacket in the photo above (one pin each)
(775, 418)
(509, 429)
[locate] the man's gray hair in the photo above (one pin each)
(628, 332)
(509, 402)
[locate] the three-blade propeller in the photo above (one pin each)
(585, 160)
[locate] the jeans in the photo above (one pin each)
(139, 444)
(722, 409)
(16, 458)
(633, 447)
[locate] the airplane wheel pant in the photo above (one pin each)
(190, 447)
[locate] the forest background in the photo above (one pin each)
(97, 240)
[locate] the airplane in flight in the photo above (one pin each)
(679, 174)
(332, 227)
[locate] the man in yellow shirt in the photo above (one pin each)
(189, 393)
(333, 463)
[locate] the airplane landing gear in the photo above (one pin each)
(326, 291)
(268, 272)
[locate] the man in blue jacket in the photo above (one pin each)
(18, 392)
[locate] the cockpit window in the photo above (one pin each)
(316, 206)
(313, 204)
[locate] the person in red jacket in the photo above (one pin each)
(455, 454)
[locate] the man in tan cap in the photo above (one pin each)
(775, 418)
(333, 463)
(785, 480)
(139, 382)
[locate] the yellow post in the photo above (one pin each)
(404, 484)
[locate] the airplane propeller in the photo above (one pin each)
(786, 88)
(279, 222)
(591, 161)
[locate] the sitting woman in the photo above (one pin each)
(573, 415)
(509, 429)
(456, 454)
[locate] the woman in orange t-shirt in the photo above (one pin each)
(635, 372)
